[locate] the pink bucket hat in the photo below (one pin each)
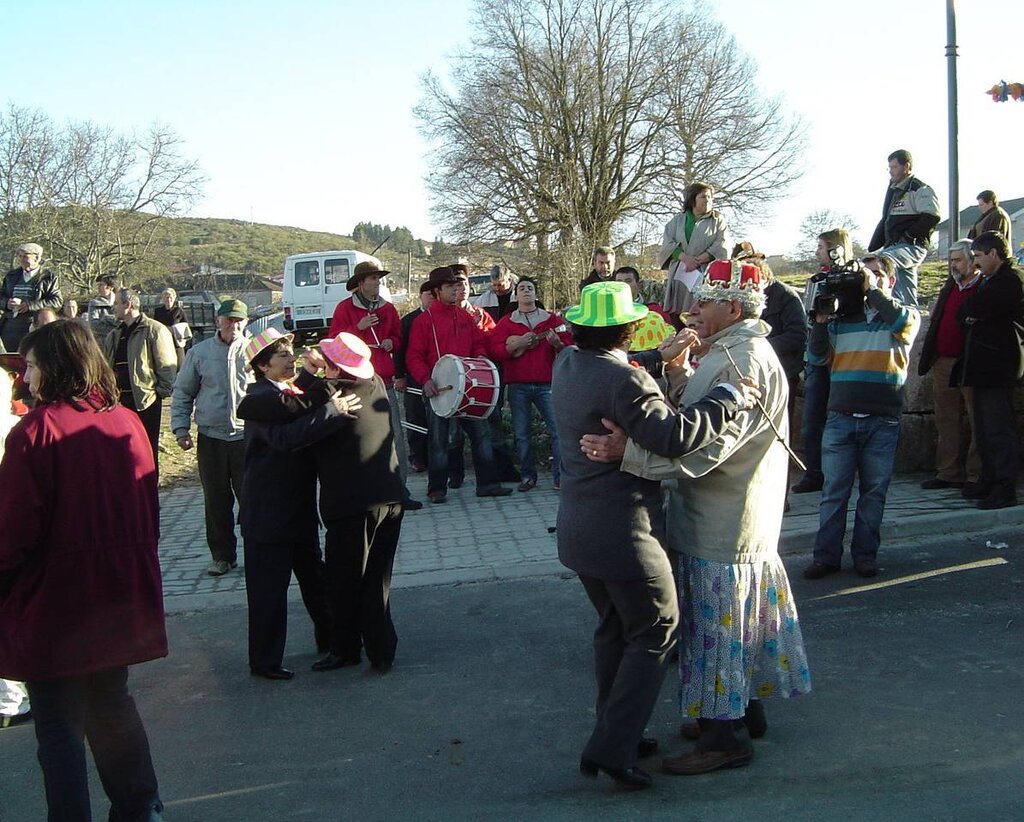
(349, 353)
(262, 340)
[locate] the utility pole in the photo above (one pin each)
(954, 154)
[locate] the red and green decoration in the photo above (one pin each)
(1003, 91)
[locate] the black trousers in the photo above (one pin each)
(996, 437)
(360, 556)
(98, 708)
(150, 418)
(221, 466)
(416, 414)
(268, 572)
(636, 632)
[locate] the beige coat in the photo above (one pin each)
(709, 235)
(152, 360)
(729, 495)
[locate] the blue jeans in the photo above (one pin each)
(867, 446)
(96, 707)
(520, 396)
(817, 383)
(908, 257)
(438, 436)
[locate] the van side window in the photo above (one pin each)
(336, 271)
(307, 273)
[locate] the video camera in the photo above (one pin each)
(841, 292)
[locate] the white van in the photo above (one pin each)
(314, 284)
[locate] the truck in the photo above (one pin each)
(314, 283)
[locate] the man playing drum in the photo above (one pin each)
(446, 329)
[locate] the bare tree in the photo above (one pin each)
(817, 223)
(94, 198)
(570, 122)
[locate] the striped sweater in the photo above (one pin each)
(868, 356)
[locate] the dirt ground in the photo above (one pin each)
(177, 467)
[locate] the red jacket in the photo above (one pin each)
(80, 587)
(534, 364)
(346, 317)
(456, 333)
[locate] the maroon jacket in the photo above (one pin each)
(80, 587)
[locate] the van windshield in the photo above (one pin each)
(307, 272)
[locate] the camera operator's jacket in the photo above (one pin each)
(868, 355)
(909, 214)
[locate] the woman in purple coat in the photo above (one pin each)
(80, 588)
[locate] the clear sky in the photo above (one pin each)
(301, 112)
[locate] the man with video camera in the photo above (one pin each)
(864, 335)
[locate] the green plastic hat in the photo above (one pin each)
(605, 304)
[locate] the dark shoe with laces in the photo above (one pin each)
(866, 567)
(808, 484)
(975, 490)
(999, 498)
(437, 497)
(332, 662)
(936, 483)
(817, 570)
(630, 779)
(275, 672)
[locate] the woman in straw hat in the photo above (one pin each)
(610, 529)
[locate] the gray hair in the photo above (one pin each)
(964, 247)
(130, 298)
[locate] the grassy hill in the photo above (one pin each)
(235, 245)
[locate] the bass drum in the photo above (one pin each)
(468, 387)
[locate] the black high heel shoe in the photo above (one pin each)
(630, 779)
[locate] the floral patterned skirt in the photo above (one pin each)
(740, 637)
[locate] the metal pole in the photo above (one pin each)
(954, 157)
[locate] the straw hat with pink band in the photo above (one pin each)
(262, 340)
(349, 353)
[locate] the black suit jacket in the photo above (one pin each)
(279, 483)
(993, 321)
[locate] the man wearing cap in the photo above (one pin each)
(415, 413)
(211, 383)
(23, 292)
(375, 321)
(278, 511)
(141, 352)
(610, 526)
(724, 562)
(446, 328)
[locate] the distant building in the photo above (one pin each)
(969, 216)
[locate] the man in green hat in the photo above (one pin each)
(212, 382)
(610, 526)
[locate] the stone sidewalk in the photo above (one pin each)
(470, 540)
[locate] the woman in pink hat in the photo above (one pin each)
(278, 512)
(360, 502)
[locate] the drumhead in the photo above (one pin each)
(448, 371)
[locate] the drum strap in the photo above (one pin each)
(433, 328)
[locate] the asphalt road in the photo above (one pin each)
(916, 712)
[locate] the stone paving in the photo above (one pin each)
(469, 539)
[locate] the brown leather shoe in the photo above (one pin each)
(690, 730)
(699, 761)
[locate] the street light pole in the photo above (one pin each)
(954, 155)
